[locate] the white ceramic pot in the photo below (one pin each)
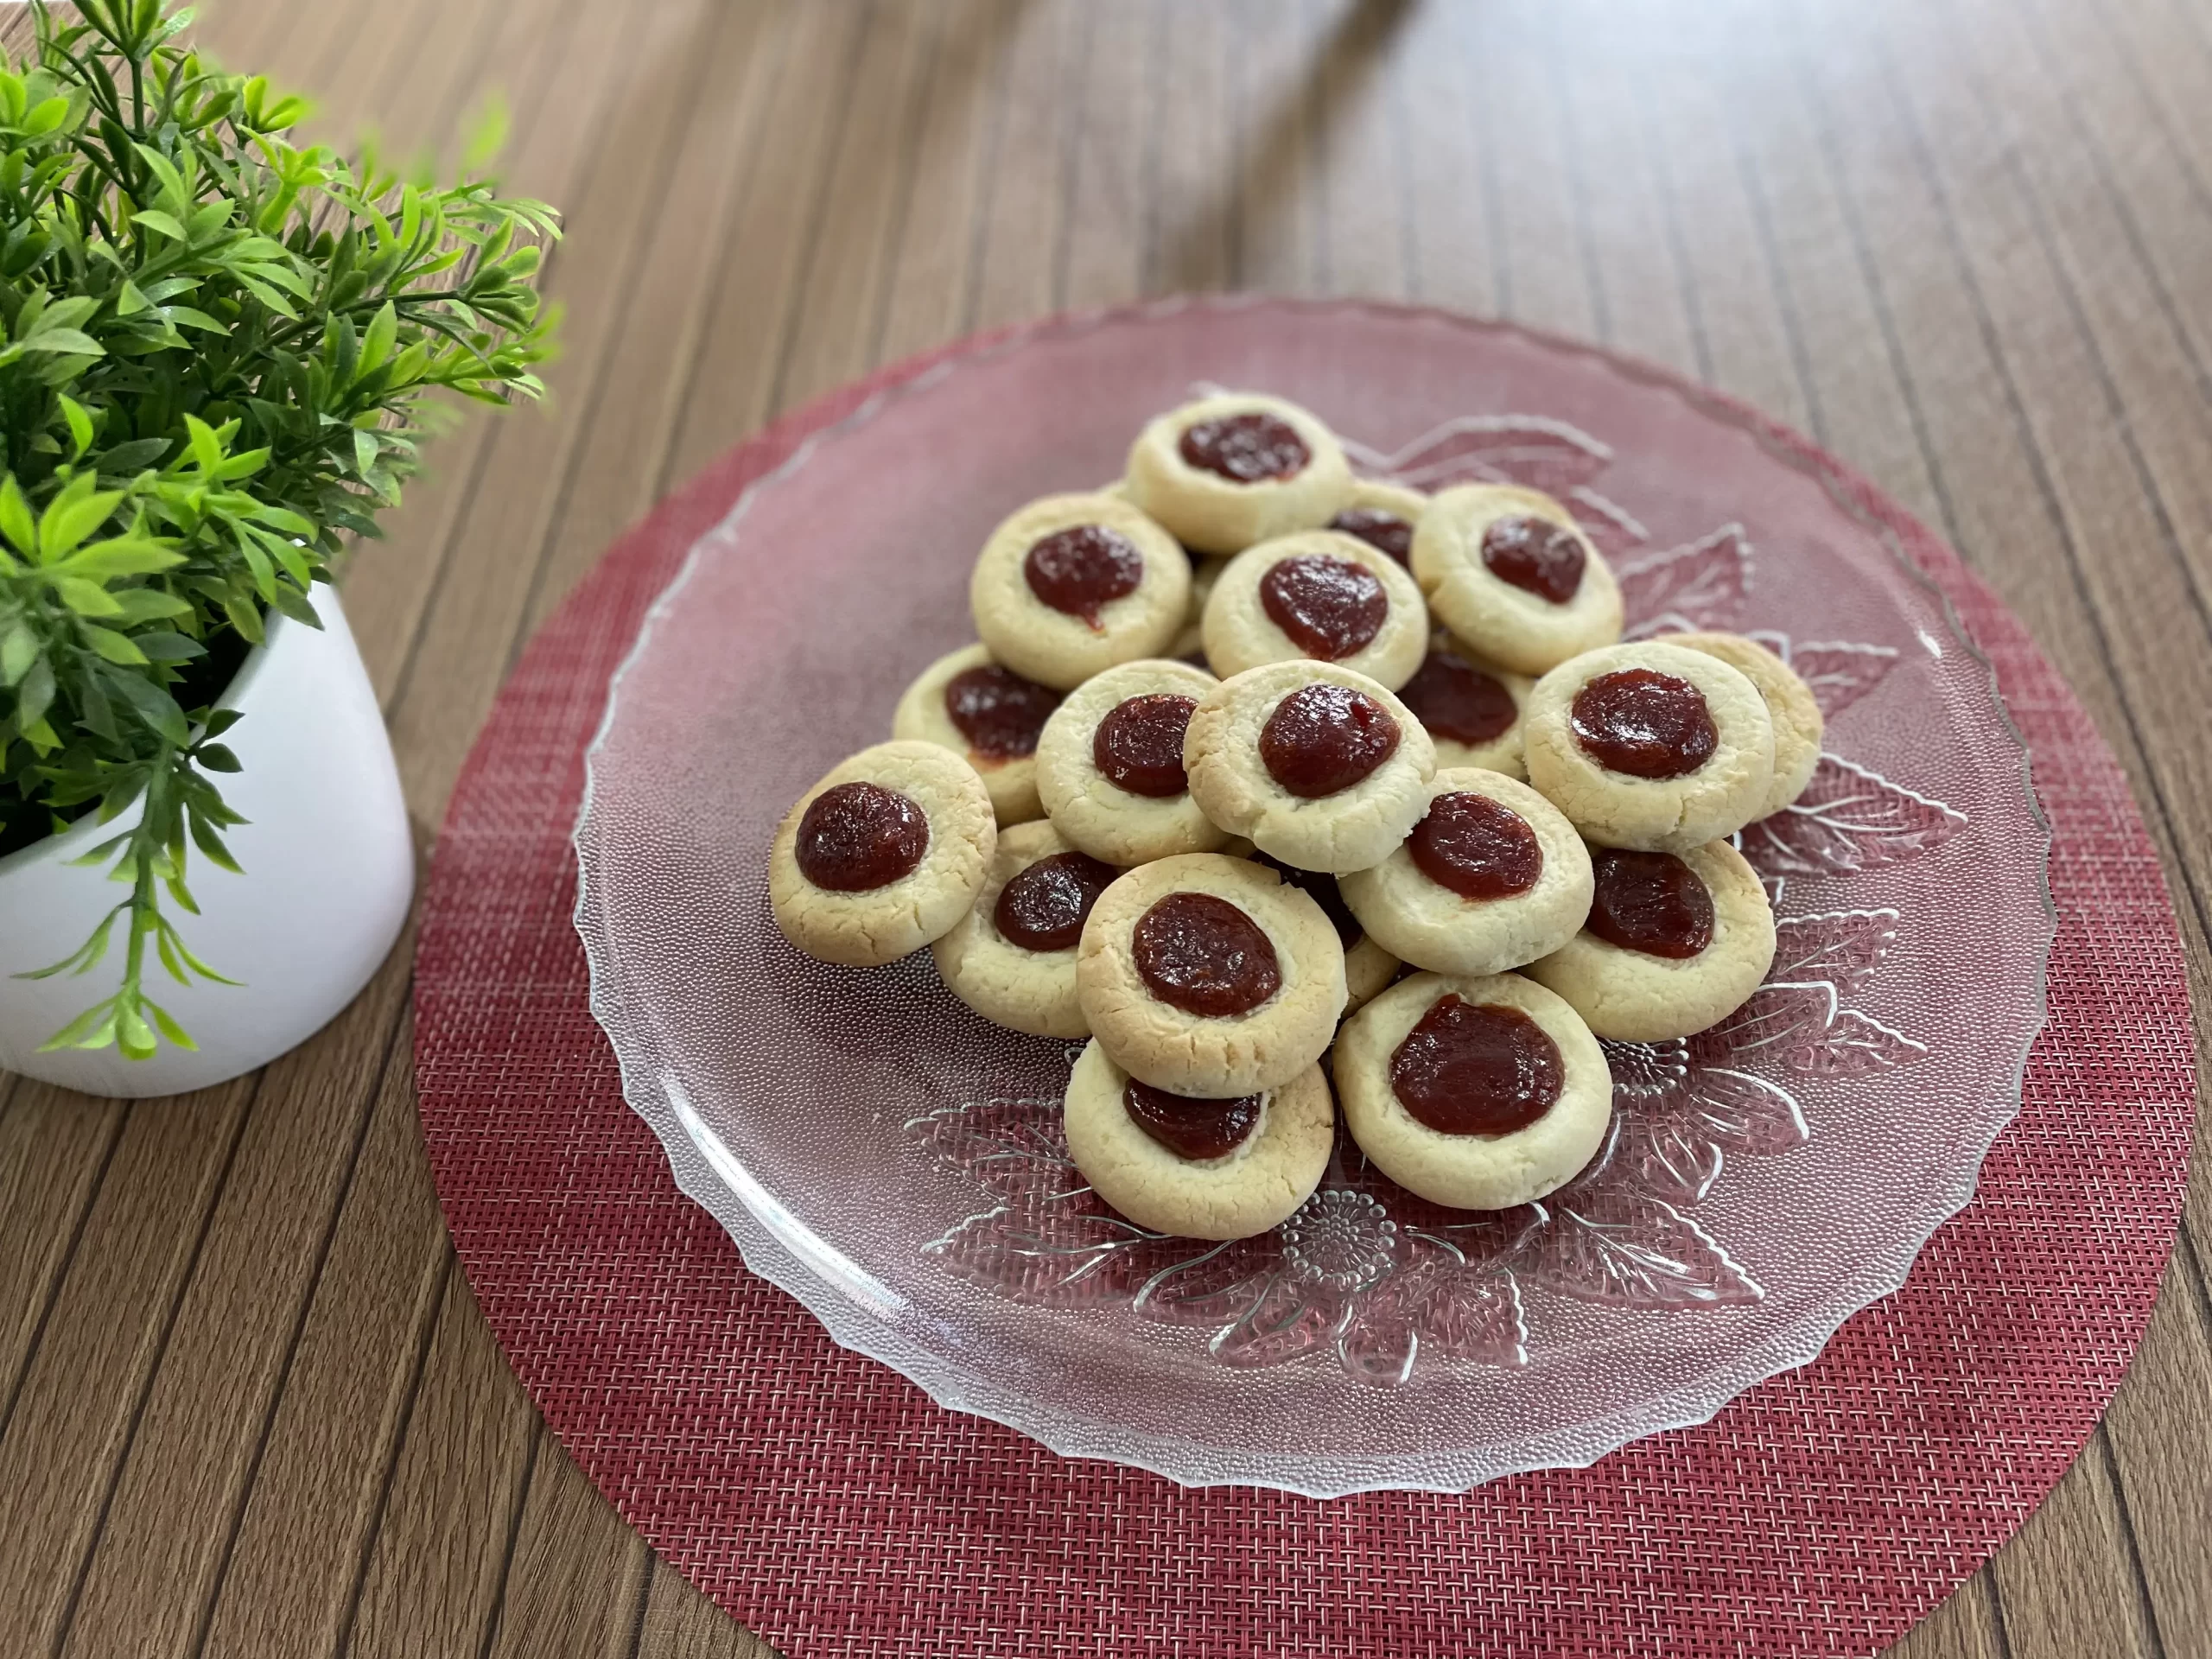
(329, 872)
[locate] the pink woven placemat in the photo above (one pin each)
(828, 1505)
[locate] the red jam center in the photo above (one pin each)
(1535, 556)
(1380, 529)
(853, 837)
(1323, 738)
(1083, 569)
(1205, 956)
(1139, 745)
(1477, 1069)
(997, 711)
(1476, 848)
(1321, 887)
(1044, 907)
(1329, 607)
(1644, 723)
(1245, 449)
(1651, 902)
(1190, 1128)
(1453, 698)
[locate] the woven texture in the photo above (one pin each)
(828, 1505)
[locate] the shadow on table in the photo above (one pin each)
(1260, 183)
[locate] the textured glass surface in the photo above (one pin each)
(896, 1163)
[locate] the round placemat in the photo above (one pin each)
(828, 1505)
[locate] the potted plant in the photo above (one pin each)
(218, 354)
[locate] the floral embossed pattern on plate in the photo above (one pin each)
(897, 1164)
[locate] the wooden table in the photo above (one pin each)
(247, 1406)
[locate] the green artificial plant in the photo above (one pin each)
(216, 352)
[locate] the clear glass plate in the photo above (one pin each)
(896, 1163)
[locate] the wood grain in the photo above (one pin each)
(247, 1405)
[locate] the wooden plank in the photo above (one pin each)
(2167, 1404)
(613, 479)
(79, 1405)
(1743, 321)
(1116, 114)
(559, 51)
(168, 1518)
(2108, 104)
(854, 231)
(1365, 234)
(681, 1624)
(2142, 359)
(55, 1147)
(1964, 1627)
(298, 1551)
(933, 257)
(1456, 254)
(438, 1560)
(1190, 200)
(2152, 374)
(577, 1585)
(2067, 1584)
(1026, 200)
(1638, 293)
(728, 383)
(450, 676)
(1543, 278)
(2169, 48)
(1271, 94)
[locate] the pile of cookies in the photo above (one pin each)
(1417, 835)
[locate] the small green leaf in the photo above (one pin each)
(206, 447)
(16, 521)
(66, 521)
(166, 644)
(215, 757)
(211, 846)
(185, 316)
(155, 220)
(173, 188)
(123, 556)
(142, 604)
(80, 424)
(154, 706)
(195, 964)
(111, 646)
(296, 606)
(127, 458)
(71, 341)
(93, 1029)
(34, 697)
(169, 1027)
(18, 650)
(243, 617)
(89, 599)
(89, 956)
(44, 118)
(376, 341)
(133, 1036)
